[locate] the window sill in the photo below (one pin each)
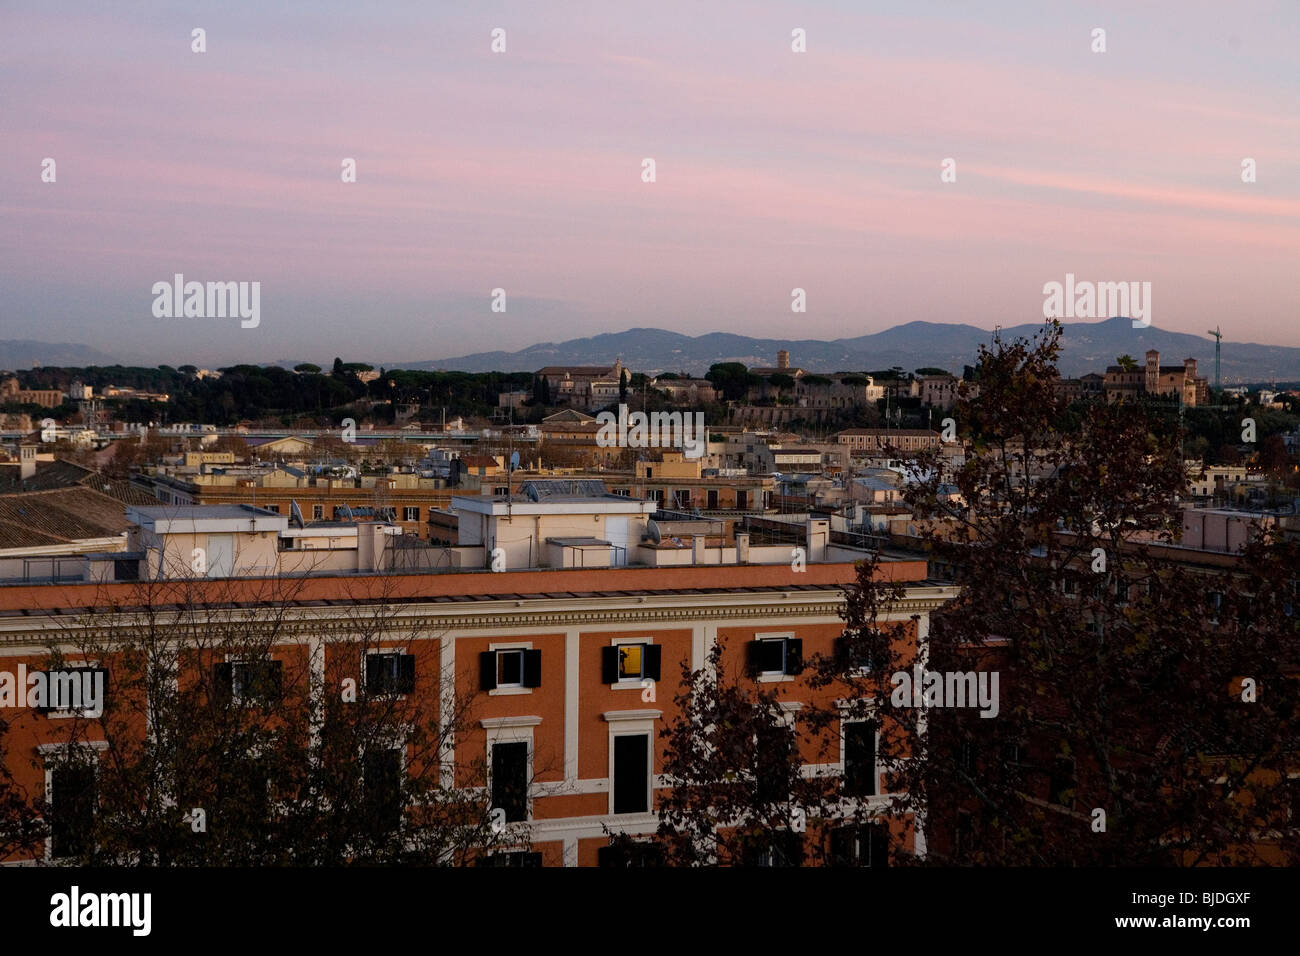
(509, 691)
(629, 684)
(775, 678)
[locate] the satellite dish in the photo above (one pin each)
(531, 489)
(652, 531)
(514, 461)
(295, 515)
(346, 513)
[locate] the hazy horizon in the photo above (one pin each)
(522, 170)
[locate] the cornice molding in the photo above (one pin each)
(346, 623)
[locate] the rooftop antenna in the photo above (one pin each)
(1218, 342)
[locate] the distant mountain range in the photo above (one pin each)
(1086, 347)
(19, 354)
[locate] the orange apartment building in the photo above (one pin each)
(570, 673)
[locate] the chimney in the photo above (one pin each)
(27, 461)
(783, 359)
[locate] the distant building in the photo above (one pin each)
(584, 386)
(782, 368)
(878, 439)
(12, 393)
(1178, 381)
(939, 391)
(694, 391)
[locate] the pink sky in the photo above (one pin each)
(522, 170)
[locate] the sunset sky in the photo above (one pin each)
(522, 170)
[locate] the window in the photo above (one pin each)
(630, 662)
(510, 668)
(72, 814)
(683, 497)
(657, 496)
(779, 848)
(860, 759)
(775, 760)
(964, 838)
(274, 508)
(630, 854)
(80, 690)
(249, 681)
(510, 779)
(126, 569)
(773, 656)
(711, 498)
(411, 513)
(381, 781)
(742, 500)
(390, 673)
(865, 844)
(317, 512)
(1213, 605)
(512, 858)
(967, 756)
(861, 654)
(632, 773)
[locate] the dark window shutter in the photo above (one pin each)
(842, 662)
(45, 708)
(406, 674)
(374, 674)
(532, 668)
(274, 687)
(609, 665)
(860, 759)
(487, 670)
(794, 656)
(753, 662)
(223, 681)
(653, 654)
(842, 846)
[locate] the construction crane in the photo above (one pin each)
(1218, 340)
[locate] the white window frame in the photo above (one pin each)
(47, 751)
(631, 723)
(510, 689)
(66, 714)
(845, 720)
(631, 683)
(776, 677)
(382, 650)
(512, 730)
(234, 662)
